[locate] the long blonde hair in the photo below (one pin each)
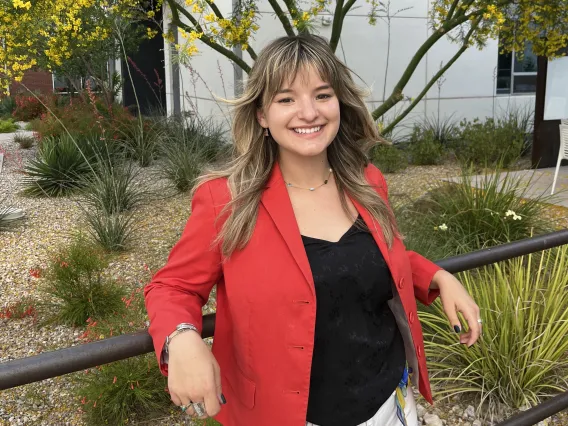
(254, 155)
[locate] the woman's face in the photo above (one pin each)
(303, 117)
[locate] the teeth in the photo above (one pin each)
(312, 130)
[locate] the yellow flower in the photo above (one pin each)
(210, 17)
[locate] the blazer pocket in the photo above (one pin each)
(243, 388)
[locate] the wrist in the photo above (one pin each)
(437, 279)
(180, 328)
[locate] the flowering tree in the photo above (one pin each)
(467, 22)
(71, 37)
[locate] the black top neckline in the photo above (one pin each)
(305, 237)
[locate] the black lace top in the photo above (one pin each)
(359, 354)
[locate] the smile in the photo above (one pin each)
(305, 130)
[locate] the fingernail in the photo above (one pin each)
(222, 398)
(457, 328)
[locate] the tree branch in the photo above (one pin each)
(396, 95)
(283, 18)
(435, 78)
(219, 15)
(452, 9)
(337, 25)
(347, 7)
(204, 38)
(291, 8)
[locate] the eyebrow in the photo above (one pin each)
(323, 87)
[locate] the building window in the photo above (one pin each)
(516, 75)
(63, 85)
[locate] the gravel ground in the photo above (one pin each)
(48, 225)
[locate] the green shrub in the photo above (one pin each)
(457, 218)
(488, 143)
(7, 126)
(125, 391)
(81, 119)
(425, 149)
(389, 158)
(521, 357)
(77, 287)
(29, 107)
(60, 166)
(113, 232)
(112, 188)
(185, 150)
(7, 106)
(140, 140)
(444, 131)
(25, 141)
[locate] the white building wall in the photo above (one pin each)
(467, 91)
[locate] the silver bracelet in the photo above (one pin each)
(180, 328)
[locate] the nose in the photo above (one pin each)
(307, 110)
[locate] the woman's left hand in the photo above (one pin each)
(455, 298)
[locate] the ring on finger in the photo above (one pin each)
(479, 321)
(199, 409)
(183, 408)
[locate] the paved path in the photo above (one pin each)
(537, 183)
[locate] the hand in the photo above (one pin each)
(194, 374)
(455, 298)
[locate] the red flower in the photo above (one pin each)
(35, 272)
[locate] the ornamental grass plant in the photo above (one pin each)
(124, 392)
(521, 358)
(76, 287)
(60, 165)
(456, 218)
(389, 158)
(187, 148)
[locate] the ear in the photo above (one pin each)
(261, 118)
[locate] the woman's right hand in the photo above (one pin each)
(194, 374)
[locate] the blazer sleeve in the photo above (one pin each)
(178, 291)
(423, 270)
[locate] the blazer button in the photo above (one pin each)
(401, 283)
(411, 318)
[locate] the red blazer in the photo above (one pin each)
(266, 305)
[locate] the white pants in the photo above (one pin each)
(386, 416)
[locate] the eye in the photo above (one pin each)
(284, 100)
(324, 96)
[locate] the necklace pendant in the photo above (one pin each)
(311, 189)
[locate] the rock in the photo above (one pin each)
(469, 413)
(476, 423)
(420, 410)
(432, 420)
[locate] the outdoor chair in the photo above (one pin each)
(562, 152)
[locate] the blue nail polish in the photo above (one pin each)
(457, 329)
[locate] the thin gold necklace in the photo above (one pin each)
(289, 184)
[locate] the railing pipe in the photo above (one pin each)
(539, 412)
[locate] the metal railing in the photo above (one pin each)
(76, 358)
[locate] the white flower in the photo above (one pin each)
(512, 213)
(443, 227)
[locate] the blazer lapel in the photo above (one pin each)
(276, 200)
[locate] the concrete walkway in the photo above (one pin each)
(537, 183)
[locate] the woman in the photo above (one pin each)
(316, 314)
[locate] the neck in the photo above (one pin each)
(303, 171)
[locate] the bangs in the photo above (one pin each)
(286, 63)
